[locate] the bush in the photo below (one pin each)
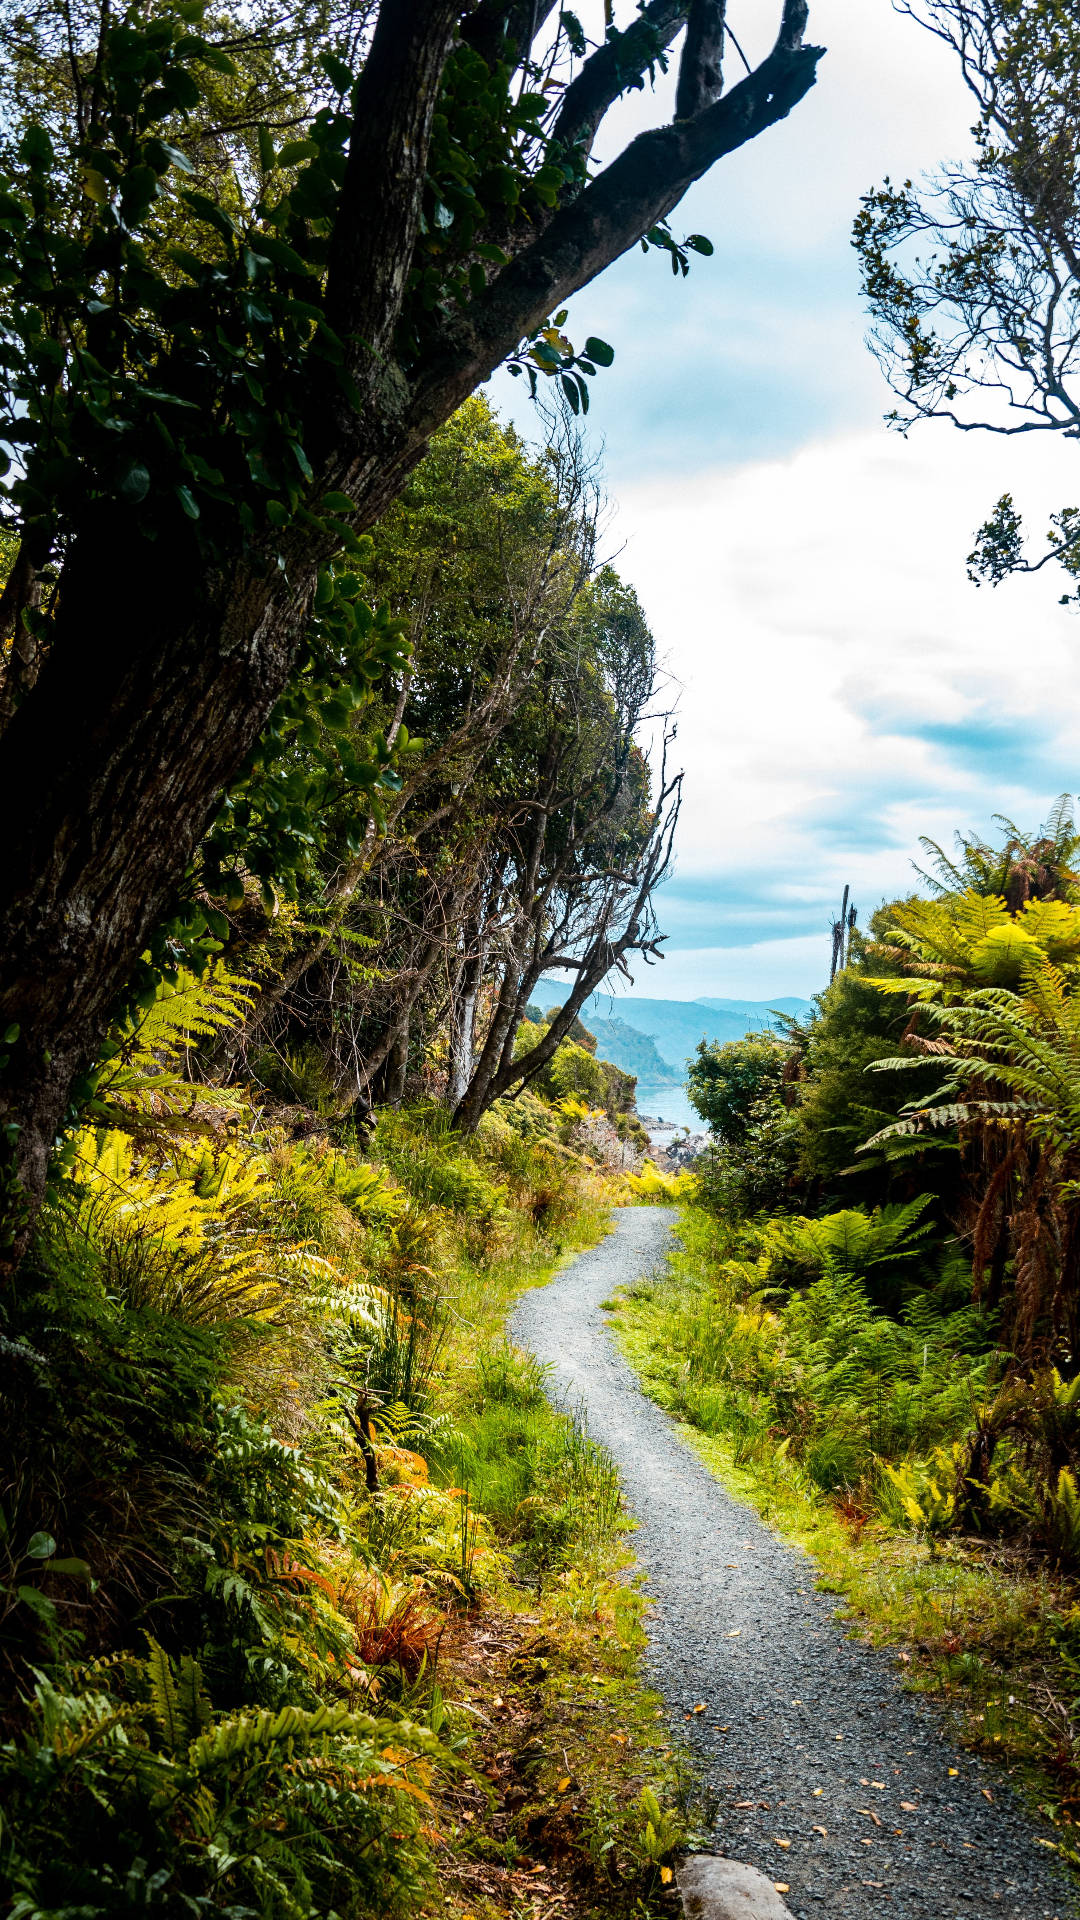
(652, 1188)
(132, 1795)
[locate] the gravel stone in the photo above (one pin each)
(791, 1705)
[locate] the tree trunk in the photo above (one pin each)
(151, 695)
(160, 675)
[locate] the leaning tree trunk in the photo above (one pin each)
(155, 687)
(159, 676)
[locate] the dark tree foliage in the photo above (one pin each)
(209, 395)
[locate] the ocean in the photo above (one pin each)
(666, 1102)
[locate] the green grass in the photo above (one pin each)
(580, 1737)
(986, 1628)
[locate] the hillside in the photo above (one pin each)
(673, 1026)
(635, 1052)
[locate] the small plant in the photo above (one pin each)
(652, 1188)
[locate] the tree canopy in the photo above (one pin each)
(225, 352)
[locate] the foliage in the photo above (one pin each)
(226, 1380)
(725, 1082)
(131, 1792)
(653, 1188)
(971, 277)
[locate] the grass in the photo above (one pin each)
(986, 1629)
(580, 1792)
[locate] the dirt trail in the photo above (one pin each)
(804, 1729)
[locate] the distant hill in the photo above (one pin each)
(753, 1007)
(633, 1051)
(674, 1026)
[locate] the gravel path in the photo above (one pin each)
(804, 1729)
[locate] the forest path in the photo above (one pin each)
(804, 1729)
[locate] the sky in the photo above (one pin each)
(843, 688)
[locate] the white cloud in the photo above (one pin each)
(846, 687)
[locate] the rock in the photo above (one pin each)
(716, 1889)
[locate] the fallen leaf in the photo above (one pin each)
(953, 1771)
(866, 1843)
(498, 1700)
(909, 1806)
(781, 1843)
(744, 1803)
(781, 1886)
(880, 1784)
(986, 1793)
(735, 1632)
(700, 1708)
(665, 1876)
(818, 1791)
(870, 1814)
(824, 1831)
(563, 1784)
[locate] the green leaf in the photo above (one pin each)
(217, 60)
(77, 1569)
(267, 156)
(95, 186)
(11, 1033)
(135, 483)
(174, 156)
(599, 351)
(40, 1546)
(700, 243)
(337, 502)
(302, 461)
(188, 502)
(336, 70)
(36, 147)
(38, 1603)
(296, 150)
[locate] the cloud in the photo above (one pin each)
(846, 688)
(762, 346)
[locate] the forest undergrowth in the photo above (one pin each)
(310, 1603)
(842, 1428)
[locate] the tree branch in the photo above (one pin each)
(378, 217)
(701, 69)
(496, 31)
(639, 188)
(607, 72)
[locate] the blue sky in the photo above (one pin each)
(844, 688)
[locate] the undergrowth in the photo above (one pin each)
(822, 1413)
(271, 1475)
